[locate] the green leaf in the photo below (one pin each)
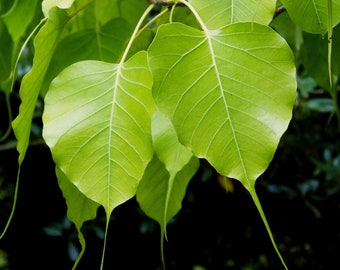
(79, 207)
(45, 44)
(163, 186)
(97, 125)
(130, 10)
(217, 14)
(166, 145)
(288, 30)
(229, 94)
(312, 15)
(159, 194)
(313, 56)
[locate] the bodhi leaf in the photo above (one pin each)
(312, 15)
(228, 92)
(230, 11)
(97, 125)
(79, 207)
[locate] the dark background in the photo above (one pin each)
(215, 229)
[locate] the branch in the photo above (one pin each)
(11, 145)
(279, 10)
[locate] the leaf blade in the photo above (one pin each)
(198, 102)
(45, 44)
(312, 16)
(106, 144)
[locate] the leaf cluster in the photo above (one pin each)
(135, 93)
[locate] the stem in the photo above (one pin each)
(13, 206)
(135, 32)
(155, 18)
(197, 16)
(330, 37)
(279, 10)
(81, 8)
(332, 87)
(10, 118)
(104, 247)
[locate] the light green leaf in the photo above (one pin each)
(79, 207)
(47, 5)
(160, 192)
(164, 183)
(217, 14)
(97, 124)
(312, 15)
(229, 94)
(45, 44)
(166, 145)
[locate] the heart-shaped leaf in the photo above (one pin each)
(97, 124)
(229, 93)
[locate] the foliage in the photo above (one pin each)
(135, 93)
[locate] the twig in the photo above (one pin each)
(279, 10)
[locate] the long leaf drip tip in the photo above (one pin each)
(264, 219)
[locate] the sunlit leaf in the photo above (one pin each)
(217, 14)
(312, 15)
(230, 95)
(97, 124)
